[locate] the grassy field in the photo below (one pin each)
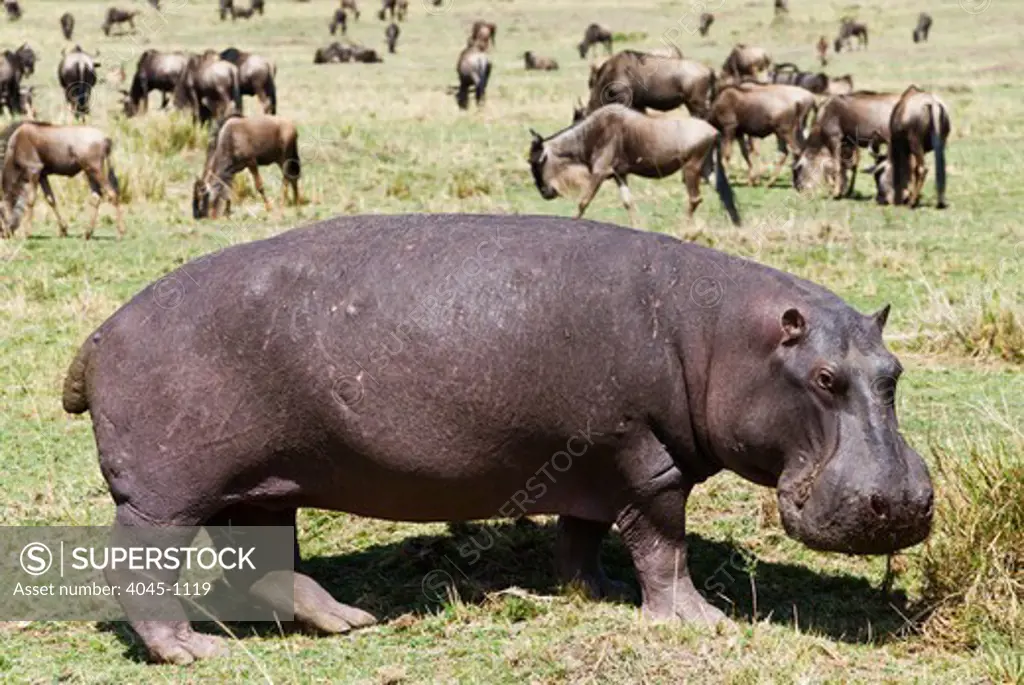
(388, 138)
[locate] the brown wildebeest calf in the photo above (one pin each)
(391, 34)
(759, 110)
(641, 81)
(484, 34)
(533, 62)
(706, 20)
(474, 70)
(594, 35)
(919, 124)
(67, 25)
(77, 76)
(339, 19)
(848, 30)
(239, 143)
(845, 124)
(924, 25)
(746, 60)
(117, 16)
(34, 151)
(616, 141)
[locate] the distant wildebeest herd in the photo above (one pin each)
(819, 121)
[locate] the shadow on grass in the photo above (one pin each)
(420, 574)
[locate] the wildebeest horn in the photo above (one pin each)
(536, 135)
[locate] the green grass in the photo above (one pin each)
(388, 138)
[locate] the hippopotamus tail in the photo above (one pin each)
(76, 393)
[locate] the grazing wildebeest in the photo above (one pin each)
(391, 34)
(639, 80)
(339, 19)
(238, 143)
(754, 110)
(67, 25)
(351, 6)
(335, 52)
(778, 381)
(226, 8)
(535, 63)
(34, 151)
(396, 8)
(76, 74)
(161, 71)
(209, 87)
(788, 73)
(746, 60)
(483, 34)
(919, 124)
(13, 9)
(822, 49)
(595, 34)
(27, 56)
(12, 70)
(849, 29)
(706, 20)
(616, 141)
(256, 77)
(474, 70)
(924, 25)
(845, 124)
(26, 96)
(118, 16)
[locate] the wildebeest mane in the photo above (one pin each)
(211, 146)
(233, 55)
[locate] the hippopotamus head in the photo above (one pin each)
(816, 417)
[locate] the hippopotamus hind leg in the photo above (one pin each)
(577, 556)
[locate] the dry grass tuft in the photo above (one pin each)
(983, 324)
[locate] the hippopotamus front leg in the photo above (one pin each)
(653, 526)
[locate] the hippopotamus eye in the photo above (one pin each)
(826, 380)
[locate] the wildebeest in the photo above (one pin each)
(754, 110)
(336, 52)
(256, 76)
(67, 25)
(924, 25)
(391, 34)
(155, 70)
(706, 20)
(919, 124)
(642, 81)
(616, 141)
(226, 8)
(239, 143)
(351, 6)
(594, 35)
(12, 70)
(781, 6)
(849, 29)
(118, 16)
(26, 97)
(13, 9)
(339, 19)
(76, 74)
(396, 8)
(27, 56)
(474, 70)
(746, 60)
(209, 87)
(845, 124)
(790, 74)
(484, 34)
(533, 62)
(34, 151)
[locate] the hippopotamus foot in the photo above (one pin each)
(314, 607)
(174, 642)
(577, 554)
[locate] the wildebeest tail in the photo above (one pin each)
(271, 93)
(484, 77)
(236, 92)
(76, 391)
(292, 168)
(938, 113)
(722, 186)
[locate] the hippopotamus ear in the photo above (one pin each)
(794, 327)
(881, 316)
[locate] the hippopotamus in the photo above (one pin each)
(458, 367)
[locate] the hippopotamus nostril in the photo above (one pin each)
(929, 504)
(879, 506)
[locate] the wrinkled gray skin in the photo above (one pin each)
(451, 367)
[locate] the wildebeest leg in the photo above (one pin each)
(52, 201)
(593, 183)
(627, 199)
(258, 180)
(653, 527)
(790, 139)
(852, 164)
(30, 203)
(745, 145)
(916, 171)
(164, 100)
(691, 178)
(578, 557)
